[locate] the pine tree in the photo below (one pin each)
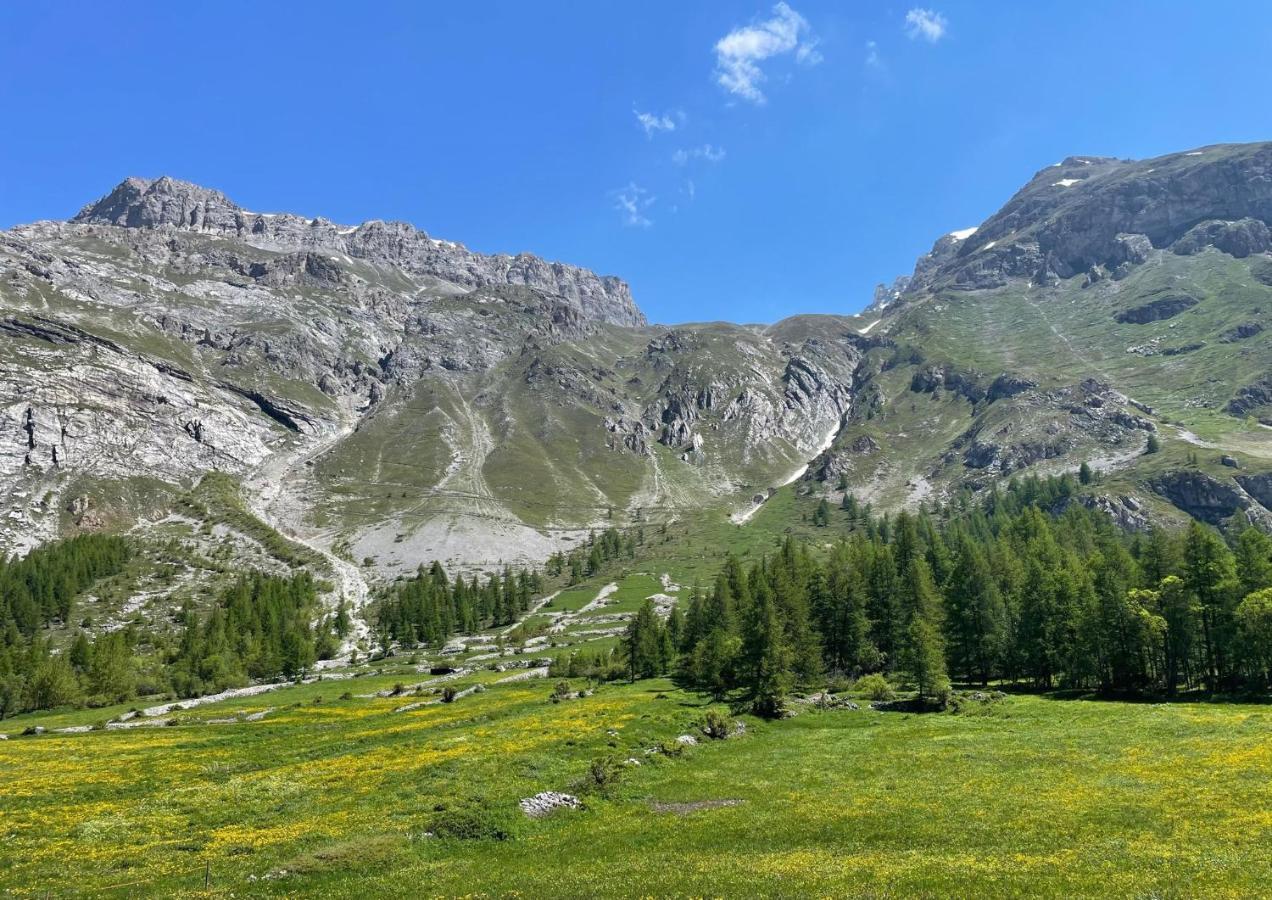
(771, 678)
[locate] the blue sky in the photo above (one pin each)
(732, 160)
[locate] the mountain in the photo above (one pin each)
(379, 391)
(384, 397)
(1106, 301)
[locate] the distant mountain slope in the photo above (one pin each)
(1107, 300)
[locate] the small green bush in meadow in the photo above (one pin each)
(716, 725)
(874, 686)
(473, 821)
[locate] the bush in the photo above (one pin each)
(875, 686)
(448, 694)
(717, 726)
(473, 821)
(562, 691)
(602, 774)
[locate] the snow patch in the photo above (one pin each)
(743, 516)
(962, 234)
(1066, 182)
(866, 330)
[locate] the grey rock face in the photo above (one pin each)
(1241, 238)
(1253, 399)
(1201, 496)
(170, 203)
(1157, 310)
(1259, 487)
(1096, 215)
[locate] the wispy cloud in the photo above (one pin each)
(652, 123)
(705, 152)
(873, 59)
(925, 24)
(632, 203)
(740, 52)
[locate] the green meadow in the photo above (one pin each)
(337, 792)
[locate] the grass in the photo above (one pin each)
(218, 498)
(1035, 797)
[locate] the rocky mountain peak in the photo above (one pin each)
(143, 203)
(171, 203)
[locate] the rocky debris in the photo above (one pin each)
(827, 700)
(547, 802)
(1157, 310)
(1229, 461)
(687, 740)
(1126, 511)
(1200, 495)
(528, 674)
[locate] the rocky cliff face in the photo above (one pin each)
(169, 203)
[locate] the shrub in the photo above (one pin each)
(602, 773)
(717, 726)
(875, 686)
(473, 821)
(448, 694)
(562, 691)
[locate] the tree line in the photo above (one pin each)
(1026, 588)
(429, 607)
(261, 627)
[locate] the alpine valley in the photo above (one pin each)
(342, 561)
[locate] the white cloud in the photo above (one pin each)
(873, 59)
(651, 122)
(925, 24)
(739, 53)
(633, 202)
(706, 153)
